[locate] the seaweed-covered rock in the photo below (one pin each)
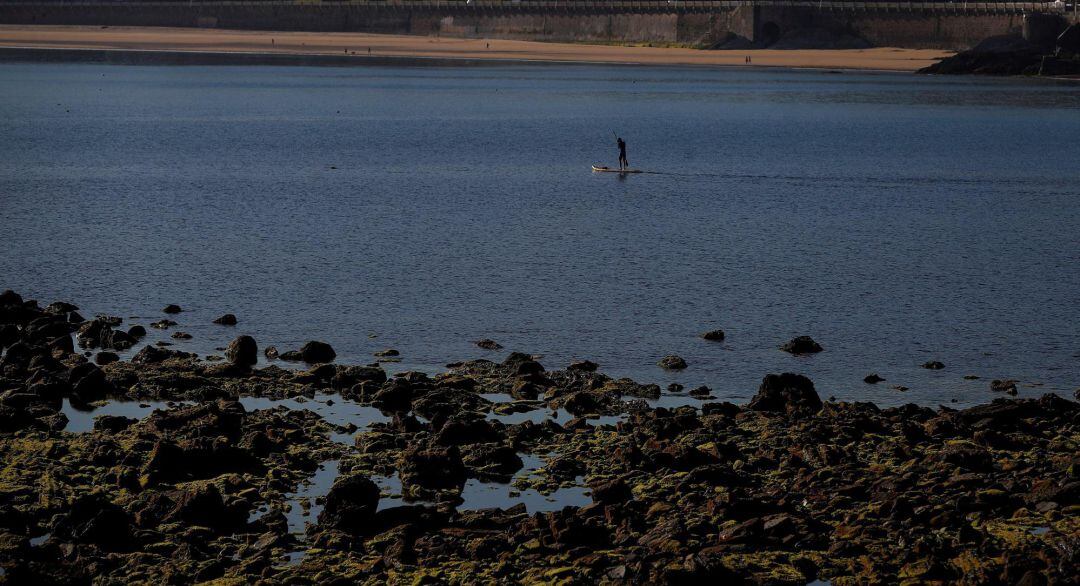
(672, 362)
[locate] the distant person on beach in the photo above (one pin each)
(623, 163)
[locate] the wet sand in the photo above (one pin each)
(400, 46)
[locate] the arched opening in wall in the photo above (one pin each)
(770, 33)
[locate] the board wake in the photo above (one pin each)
(601, 169)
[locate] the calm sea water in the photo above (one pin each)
(894, 218)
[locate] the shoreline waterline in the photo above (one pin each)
(322, 48)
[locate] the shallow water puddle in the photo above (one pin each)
(310, 491)
(36, 541)
(480, 495)
(486, 495)
(1039, 530)
(332, 408)
(541, 414)
(82, 420)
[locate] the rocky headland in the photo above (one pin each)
(1014, 55)
(787, 489)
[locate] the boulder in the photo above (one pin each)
(387, 353)
(136, 331)
(226, 320)
(172, 309)
(103, 358)
(204, 506)
(872, 379)
(714, 336)
(459, 432)
(315, 352)
(488, 344)
(153, 354)
(933, 365)
(802, 345)
(243, 351)
(93, 519)
(432, 468)
(786, 393)
(672, 362)
(583, 366)
(611, 492)
(492, 459)
(350, 505)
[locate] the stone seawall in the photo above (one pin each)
(762, 24)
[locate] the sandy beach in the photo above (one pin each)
(363, 44)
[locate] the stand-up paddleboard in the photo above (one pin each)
(600, 169)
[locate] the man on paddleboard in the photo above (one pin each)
(623, 163)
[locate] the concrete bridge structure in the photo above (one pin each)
(704, 23)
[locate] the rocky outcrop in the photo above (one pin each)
(786, 393)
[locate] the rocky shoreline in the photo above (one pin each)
(216, 486)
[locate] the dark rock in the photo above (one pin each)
(103, 358)
(350, 505)
(113, 423)
(432, 468)
(492, 460)
(1007, 386)
(181, 336)
(172, 309)
(672, 362)
(136, 331)
(153, 354)
(583, 366)
(933, 365)
(226, 320)
(872, 379)
(60, 308)
(315, 352)
(9, 297)
(395, 395)
(802, 345)
(291, 356)
(701, 391)
(93, 519)
(243, 351)
(611, 492)
(88, 383)
(387, 353)
(271, 353)
(488, 344)
(968, 457)
(163, 324)
(204, 506)
(787, 393)
(459, 432)
(714, 336)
